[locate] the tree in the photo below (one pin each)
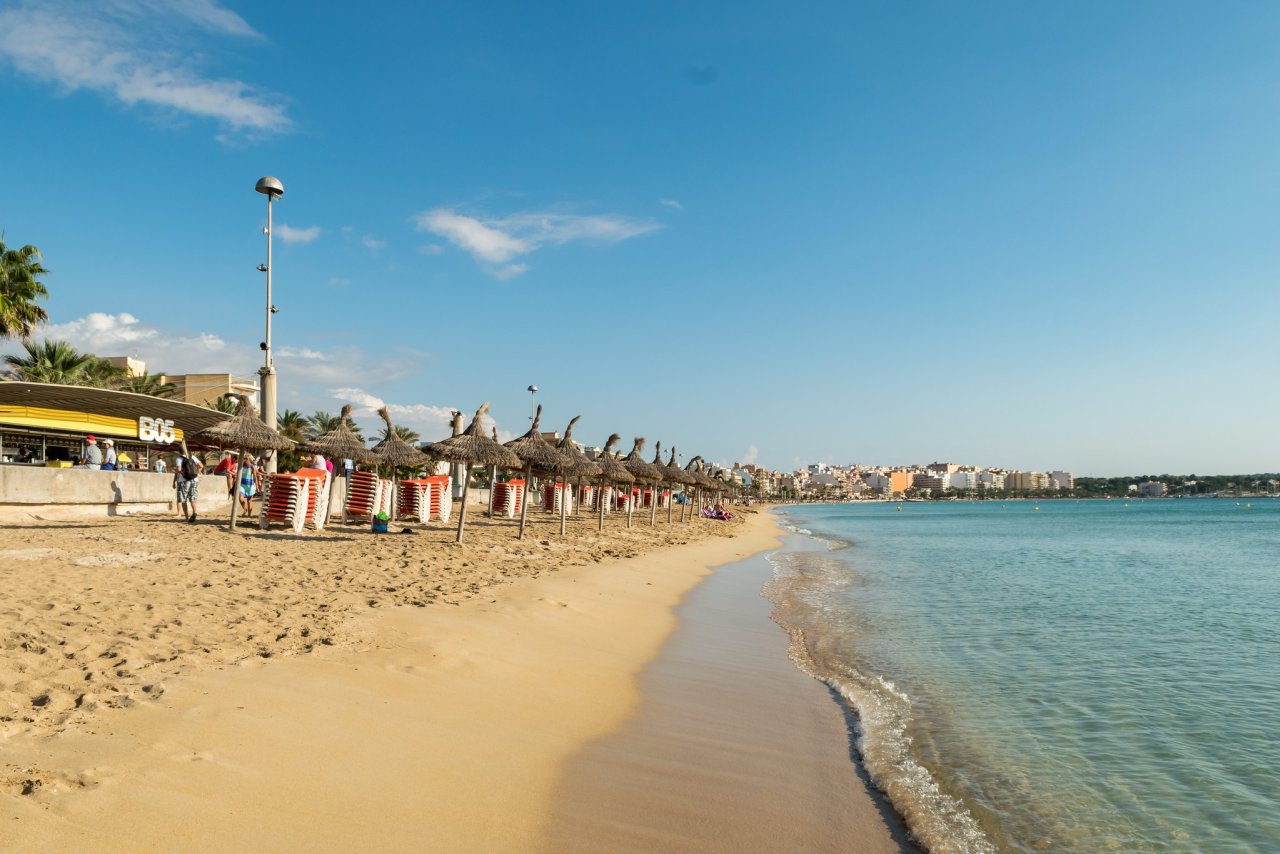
(227, 404)
(404, 433)
(20, 287)
(51, 361)
(291, 425)
(148, 384)
(323, 422)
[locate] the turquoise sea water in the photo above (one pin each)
(1085, 676)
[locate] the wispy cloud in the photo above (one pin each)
(289, 234)
(371, 242)
(750, 455)
(671, 203)
(496, 242)
(139, 52)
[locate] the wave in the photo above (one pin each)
(824, 632)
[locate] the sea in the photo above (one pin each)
(1083, 676)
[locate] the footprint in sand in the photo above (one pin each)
(118, 559)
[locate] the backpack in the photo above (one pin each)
(189, 469)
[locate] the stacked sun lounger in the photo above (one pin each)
(364, 496)
(621, 499)
(552, 494)
(587, 497)
(384, 499)
(296, 499)
(425, 497)
(507, 498)
(440, 489)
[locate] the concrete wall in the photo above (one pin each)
(36, 492)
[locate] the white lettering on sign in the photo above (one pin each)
(156, 430)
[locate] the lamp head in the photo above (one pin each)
(533, 388)
(270, 187)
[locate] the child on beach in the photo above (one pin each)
(248, 485)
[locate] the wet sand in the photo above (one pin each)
(733, 749)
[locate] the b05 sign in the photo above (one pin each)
(156, 430)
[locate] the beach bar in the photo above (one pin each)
(42, 431)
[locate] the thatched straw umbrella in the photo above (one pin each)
(666, 480)
(536, 452)
(675, 474)
(700, 477)
(472, 447)
(341, 443)
(396, 453)
(582, 464)
(245, 432)
(643, 472)
(611, 471)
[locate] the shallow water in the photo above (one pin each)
(1086, 676)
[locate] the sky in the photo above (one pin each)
(1028, 235)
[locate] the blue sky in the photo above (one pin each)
(1012, 234)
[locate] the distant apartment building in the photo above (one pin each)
(876, 481)
(943, 468)
(1152, 489)
(1019, 481)
(991, 479)
(964, 480)
(1062, 480)
(933, 481)
(899, 481)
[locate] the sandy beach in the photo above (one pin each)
(178, 687)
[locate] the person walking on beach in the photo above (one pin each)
(186, 479)
(92, 453)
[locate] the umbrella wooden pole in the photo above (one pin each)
(493, 482)
(600, 503)
(630, 504)
(394, 502)
(670, 501)
(653, 504)
(524, 502)
(235, 494)
(466, 485)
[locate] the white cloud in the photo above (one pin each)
(162, 350)
(497, 242)
(373, 243)
(289, 234)
(750, 456)
(138, 52)
(433, 423)
(483, 241)
(431, 249)
(671, 203)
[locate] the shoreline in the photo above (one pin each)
(733, 748)
(443, 727)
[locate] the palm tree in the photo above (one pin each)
(409, 436)
(20, 287)
(291, 425)
(50, 361)
(148, 384)
(227, 404)
(322, 422)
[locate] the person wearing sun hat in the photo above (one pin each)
(92, 453)
(108, 455)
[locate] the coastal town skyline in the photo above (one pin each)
(762, 238)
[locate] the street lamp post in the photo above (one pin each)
(272, 189)
(533, 401)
